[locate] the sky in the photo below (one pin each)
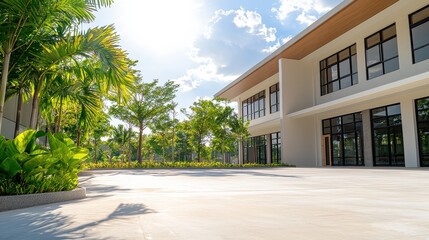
(205, 44)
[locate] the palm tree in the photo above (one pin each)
(24, 21)
(148, 102)
(91, 61)
(121, 136)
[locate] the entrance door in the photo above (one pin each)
(326, 150)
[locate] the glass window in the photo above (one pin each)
(338, 71)
(419, 27)
(346, 139)
(387, 140)
(274, 98)
(254, 107)
(422, 111)
(382, 52)
(276, 148)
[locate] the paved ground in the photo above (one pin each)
(285, 203)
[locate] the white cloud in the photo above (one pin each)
(278, 44)
(232, 42)
(308, 10)
(206, 70)
(249, 20)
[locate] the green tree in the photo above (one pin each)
(183, 137)
(201, 117)
(148, 102)
(24, 21)
(91, 59)
(100, 130)
(122, 136)
(228, 130)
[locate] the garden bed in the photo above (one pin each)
(29, 200)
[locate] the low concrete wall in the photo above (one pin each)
(30, 200)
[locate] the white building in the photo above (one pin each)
(9, 116)
(351, 89)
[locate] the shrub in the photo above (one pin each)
(26, 167)
(152, 164)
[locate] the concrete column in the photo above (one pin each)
(282, 79)
(367, 139)
(269, 157)
(240, 152)
(409, 132)
(240, 144)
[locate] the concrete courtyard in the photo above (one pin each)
(280, 203)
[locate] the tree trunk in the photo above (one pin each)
(78, 136)
(35, 106)
(172, 146)
(139, 150)
(4, 78)
(58, 122)
(18, 114)
(95, 151)
(129, 144)
(223, 155)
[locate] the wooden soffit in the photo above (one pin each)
(345, 19)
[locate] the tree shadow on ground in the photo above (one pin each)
(205, 172)
(42, 223)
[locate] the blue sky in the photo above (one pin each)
(203, 44)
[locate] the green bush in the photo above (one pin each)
(151, 164)
(26, 167)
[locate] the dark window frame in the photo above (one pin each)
(324, 65)
(256, 147)
(389, 128)
(380, 52)
(276, 156)
(275, 90)
(419, 122)
(255, 106)
(338, 128)
(412, 26)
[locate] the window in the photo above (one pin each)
(255, 150)
(419, 27)
(346, 139)
(274, 98)
(276, 156)
(254, 107)
(388, 146)
(246, 109)
(422, 110)
(259, 105)
(339, 71)
(381, 52)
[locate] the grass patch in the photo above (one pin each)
(181, 165)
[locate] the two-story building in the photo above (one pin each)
(350, 90)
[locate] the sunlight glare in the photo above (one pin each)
(161, 26)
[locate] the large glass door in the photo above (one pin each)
(422, 111)
(387, 140)
(345, 134)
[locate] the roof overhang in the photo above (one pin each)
(336, 22)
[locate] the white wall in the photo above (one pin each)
(298, 135)
(271, 121)
(8, 124)
(397, 13)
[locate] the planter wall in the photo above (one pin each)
(30, 200)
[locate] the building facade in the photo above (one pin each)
(350, 90)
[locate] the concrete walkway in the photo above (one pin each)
(281, 203)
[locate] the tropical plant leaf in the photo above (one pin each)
(56, 145)
(35, 162)
(10, 166)
(82, 154)
(24, 139)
